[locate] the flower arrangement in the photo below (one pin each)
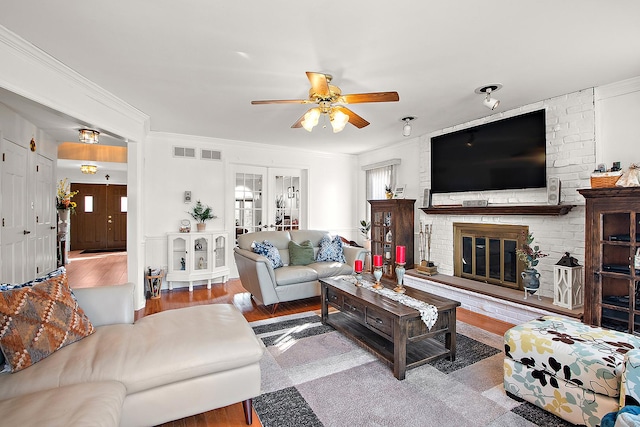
(530, 255)
(201, 213)
(63, 198)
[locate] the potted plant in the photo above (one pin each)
(365, 226)
(530, 255)
(201, 213)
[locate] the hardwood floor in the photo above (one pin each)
(87, 270)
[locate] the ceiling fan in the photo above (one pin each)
(329, 99)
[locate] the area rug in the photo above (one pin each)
(314, 376)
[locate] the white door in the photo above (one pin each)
(45, 216)
(15, 227)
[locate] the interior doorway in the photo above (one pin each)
(100, 220)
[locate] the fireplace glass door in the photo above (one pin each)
(487, 253)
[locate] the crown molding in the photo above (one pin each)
(26, 51)
(618, 88)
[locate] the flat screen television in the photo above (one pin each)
(502, 155)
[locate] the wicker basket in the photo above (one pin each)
(605, 179)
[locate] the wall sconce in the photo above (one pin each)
(490, 103)
(89, 169)
(406, 129)
(88, 136)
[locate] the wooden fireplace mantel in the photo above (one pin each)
(556, 210)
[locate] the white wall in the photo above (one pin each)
(618, 113)
(331, 205)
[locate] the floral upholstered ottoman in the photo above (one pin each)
(570, 369)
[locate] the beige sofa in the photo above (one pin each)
(160, 368)
(270, 285)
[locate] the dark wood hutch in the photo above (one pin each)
(392, 224)
(612, 239)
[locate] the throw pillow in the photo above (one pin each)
(36, 321)
(268, 250)
(54, 273)
(301, 253)
(331, 250)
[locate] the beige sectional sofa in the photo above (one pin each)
(160, 368)
(270, 285)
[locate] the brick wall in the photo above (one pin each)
(570, 157)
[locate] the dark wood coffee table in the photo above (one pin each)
(392, 331)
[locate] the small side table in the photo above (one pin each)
(568, 288)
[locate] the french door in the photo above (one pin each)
(269, 199)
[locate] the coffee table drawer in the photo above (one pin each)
(380, 321)
(353, 307)
(334, 298)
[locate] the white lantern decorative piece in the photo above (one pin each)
(568, 290)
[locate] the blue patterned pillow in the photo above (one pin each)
(54, 273)
(331, 250)
(268, 250)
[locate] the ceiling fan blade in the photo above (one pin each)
(357, 98)
(281, 101)
(319, 83)
(354, 119)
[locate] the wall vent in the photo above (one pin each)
(210, 154)
(187, 152)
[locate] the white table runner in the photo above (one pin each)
(428, 312)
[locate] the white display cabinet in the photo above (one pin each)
(197, 256)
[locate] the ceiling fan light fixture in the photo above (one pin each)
(89, 169)
(88, 136)
(311, 119)
(338, 121)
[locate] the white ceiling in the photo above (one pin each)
(194, 66)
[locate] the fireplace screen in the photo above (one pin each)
(487, 253)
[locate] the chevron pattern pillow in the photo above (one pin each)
(36, 321)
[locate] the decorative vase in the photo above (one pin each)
(201, 226)
(377, 273)
(389, 195)
(63, 215)
(530, 280)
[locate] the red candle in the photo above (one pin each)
(358, 266)
(401, 254)
(377, 260)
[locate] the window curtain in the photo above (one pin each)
(378, 179)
